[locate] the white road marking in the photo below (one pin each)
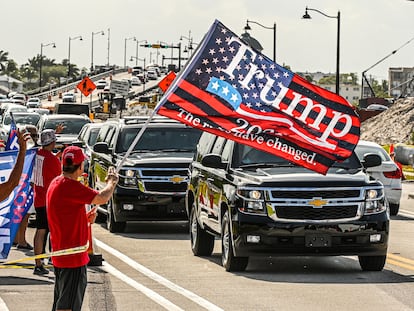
(138, 286)
(406, 213)
(158, 278)
(3, 306)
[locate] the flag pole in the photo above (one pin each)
(135, 141)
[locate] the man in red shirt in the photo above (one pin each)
(68, 223)
(47, 167)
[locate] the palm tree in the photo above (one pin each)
(4, 59)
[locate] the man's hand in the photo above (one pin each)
(22, 138)
(112, 175)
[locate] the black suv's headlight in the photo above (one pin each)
(375, 202)
(127, 178)
(251, 201)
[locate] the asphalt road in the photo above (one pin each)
(151, 267)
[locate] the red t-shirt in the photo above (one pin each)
(68, 223)
(47, 166)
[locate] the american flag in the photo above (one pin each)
(231, 90)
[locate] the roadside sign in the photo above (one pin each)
(119, 87)
(86, 86)
(165, 83)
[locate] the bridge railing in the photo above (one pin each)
(46, 91)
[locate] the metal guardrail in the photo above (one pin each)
(70, 86)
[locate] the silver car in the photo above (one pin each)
(388, 173)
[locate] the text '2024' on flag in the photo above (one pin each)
(231, 90)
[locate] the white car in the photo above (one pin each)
(69, 97)
(33, 102)
(388, 173)
(135, 81)
(100, 84)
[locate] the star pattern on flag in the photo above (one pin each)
(217, 57)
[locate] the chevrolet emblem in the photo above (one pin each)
(176, 179)
(317, 202)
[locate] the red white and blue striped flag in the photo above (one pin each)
(231, 90)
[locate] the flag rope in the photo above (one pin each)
(63, 252)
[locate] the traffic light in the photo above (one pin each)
(156, 46)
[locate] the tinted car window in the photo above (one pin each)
(184, 139)
(70, 126)
(23, 119)
(246, 155)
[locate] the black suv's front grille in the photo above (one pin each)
(165, 187)
(316, 204)
(310, 213)
(307, 194)
(163, 180)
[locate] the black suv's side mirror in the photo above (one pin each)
(101, 147)
(213, 161)
(371, 160)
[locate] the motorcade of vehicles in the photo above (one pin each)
(153, 178)
(262, 205)
(387, 173)
(72, 125)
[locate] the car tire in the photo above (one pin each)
(111, 224)
(202, 243)
(372, 263)
(394, 208)
(228, 260)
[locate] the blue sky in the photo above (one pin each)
(370, 30)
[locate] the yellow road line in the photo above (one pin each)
(401, 262)
(399, 258)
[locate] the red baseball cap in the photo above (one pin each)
(73, 155)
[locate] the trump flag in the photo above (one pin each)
(232, 90)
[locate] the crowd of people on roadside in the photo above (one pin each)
(60, 202)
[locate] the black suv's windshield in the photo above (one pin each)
(166, 139)
(71, 126)
(246, 156)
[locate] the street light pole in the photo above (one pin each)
(136, 51)
(125, 48)
(247, 27)
(70, 39)
(93, 34)
(338, 17)
(41, 61)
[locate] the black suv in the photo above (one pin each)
(153, 179)
(261, 205)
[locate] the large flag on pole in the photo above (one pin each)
(15, 207)
(231, 90)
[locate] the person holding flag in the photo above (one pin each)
(15, 194)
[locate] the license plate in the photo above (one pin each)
(317, 240)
